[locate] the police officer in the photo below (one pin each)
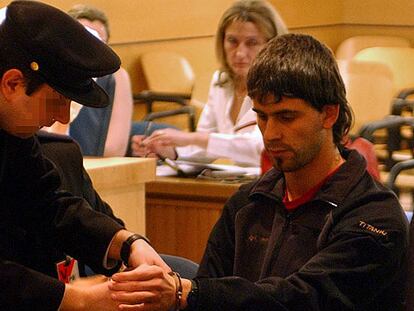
(48, 59)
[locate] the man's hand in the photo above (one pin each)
(144, 288)
(88, 294)
(140, 253)
(143, 253)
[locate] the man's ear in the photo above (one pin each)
(12, 83)
(331, 115)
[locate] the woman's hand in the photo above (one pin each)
(162, 142)
(140, 148)
(169, 137)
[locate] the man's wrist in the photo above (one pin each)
(126, 247)
(114, 251)
(190, 295)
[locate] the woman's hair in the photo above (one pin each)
(90, 13)
(258, 12)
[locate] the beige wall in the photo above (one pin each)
(140, 25)
(188, 26)
(391, 12)
(394, 17)
(310, 13)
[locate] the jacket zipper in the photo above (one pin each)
(278, 245)
(276, 250)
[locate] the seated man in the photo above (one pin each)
(316, 232)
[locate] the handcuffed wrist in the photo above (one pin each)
(178, 290)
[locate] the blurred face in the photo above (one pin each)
(242, 42)
(96, 25)
(293, 131)
(29, 113)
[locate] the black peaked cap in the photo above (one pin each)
(60, 50)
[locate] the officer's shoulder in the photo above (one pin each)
(46, 137)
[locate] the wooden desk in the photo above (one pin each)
(121, 183)
(180, 213)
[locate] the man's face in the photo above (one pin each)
(26, 114)
(293, 131)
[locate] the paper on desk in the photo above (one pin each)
(165, 170)
(197, 159)
(220, 170)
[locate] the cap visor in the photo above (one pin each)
(96, 97)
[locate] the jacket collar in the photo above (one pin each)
(335, 190)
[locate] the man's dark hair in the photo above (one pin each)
(299, 66)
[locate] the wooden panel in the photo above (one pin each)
(121, 183)
(358, 30)
(143, 20)
(331, 35)
(389, 12)
(309, 13)
(180, 214)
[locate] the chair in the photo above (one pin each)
(395, 172)
(170, 79)
(185, 267)
(401, 62)
(351, 46)
(399, 59)
(369, 86)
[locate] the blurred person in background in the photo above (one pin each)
(103, 132)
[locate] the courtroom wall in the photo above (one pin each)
(188, 27)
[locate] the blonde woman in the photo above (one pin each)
(227, 127)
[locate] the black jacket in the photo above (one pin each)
(343, 250)
(34, 215)
(65, 154)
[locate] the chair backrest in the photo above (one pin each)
(185, 267)
(167, 72)
(351, 46)
(369, 87)
(399, 60)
